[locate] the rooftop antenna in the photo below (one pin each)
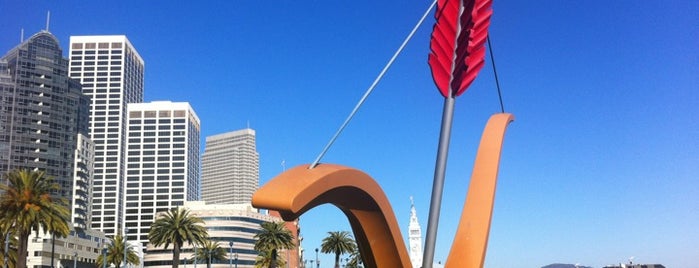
(48, 19)
(21, 35)
(248, 124)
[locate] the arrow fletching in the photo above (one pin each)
(457, 43)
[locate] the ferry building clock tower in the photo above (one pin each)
(414, 237)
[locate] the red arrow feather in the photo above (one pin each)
(457, 45)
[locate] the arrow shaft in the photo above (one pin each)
(438, 183)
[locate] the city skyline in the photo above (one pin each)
(604, 94)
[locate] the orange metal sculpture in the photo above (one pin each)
(370, 214)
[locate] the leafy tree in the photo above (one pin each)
(175, 227)
(211, 249)
(338, 243)
(273, 236)
(27, 205)
(115, 253)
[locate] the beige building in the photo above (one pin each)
(86, 245)
(237, 223)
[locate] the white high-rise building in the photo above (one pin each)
(414, 237)
(230, 168)
(162, 162)
(111, 73)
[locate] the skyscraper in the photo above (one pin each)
(43, 120)
(230, 168)
(111, 72)
(162, 164)
(414, 237)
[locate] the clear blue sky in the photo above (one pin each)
(601, 164)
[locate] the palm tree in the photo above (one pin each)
(355, 259)
(211, 251)
(27, 205)
(264, 259)
(272, 237)
(115, 253)
(12, 249)
(339, 243)
(175, 227)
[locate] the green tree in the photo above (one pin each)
(273, 236)
(338, 243)
(264, 259)
(355, 259)
(175, 227)
(12, 249)
(115, 253)
(211, 251)
(27, 205)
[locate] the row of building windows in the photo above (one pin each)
(162, 204)
(156, 197)
(145, 185)
(152, 159)
(159, 152)
(101, 45)
(98, 74)
(153, 127)
(114, 57)
(151, 171)
(93, 52)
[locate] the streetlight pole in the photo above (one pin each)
(208, 252)
(230, 255)
(104, 255)
(7, 248)
(126, 249)
(75, 260)
(317, 260)
(53, 248)
(236, 260)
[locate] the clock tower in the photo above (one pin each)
(414, 237)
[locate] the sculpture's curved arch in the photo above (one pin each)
(471, 238)
(356, 194)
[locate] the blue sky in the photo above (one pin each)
(601, 164)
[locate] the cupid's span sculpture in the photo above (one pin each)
(457, 52)
(371, 217)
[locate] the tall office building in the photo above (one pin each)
(111, 72)
(162, 162)
(414, 237)
(230, 168)
(44, 120)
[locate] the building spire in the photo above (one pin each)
(48, 19)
